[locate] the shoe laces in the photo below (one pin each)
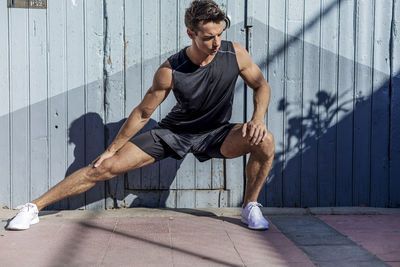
(25, 207)
(254, 207)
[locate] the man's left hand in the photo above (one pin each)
(255, 130)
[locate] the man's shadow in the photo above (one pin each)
(90, 137)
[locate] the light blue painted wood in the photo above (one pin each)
(19, 103)
(186, 198)
(39, 164)
(114, 87)
(169, 43)
(293, 84)
(327, 103)
(5, 187)
(216, 166)
(94, 108)
(75, 57)
(276, 69)
(208, 198)
(344, 155)
(133, 61)
(235, 167)
(57, 90)
(203, 174)
(152, 59)
(362, 112)
(258, 51)
(217, 174)
(380, 106)
(309, 130)
(186, 175)
(394, 183)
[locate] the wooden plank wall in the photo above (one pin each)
(333, 108)
(71, 73)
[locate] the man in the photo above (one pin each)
(202, 78)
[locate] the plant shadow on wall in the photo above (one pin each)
(90, 135)
(302, 135)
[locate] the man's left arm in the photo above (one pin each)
(255, 130)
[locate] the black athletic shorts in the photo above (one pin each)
(161, 143)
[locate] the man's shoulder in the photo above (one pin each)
(238, 47)
(177, 59)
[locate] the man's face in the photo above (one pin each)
(208, 37)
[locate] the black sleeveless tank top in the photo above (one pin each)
(204, 93)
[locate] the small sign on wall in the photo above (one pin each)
(27, 4)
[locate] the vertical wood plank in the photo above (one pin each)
(259, 51)
(309, 126)
(362, 112)
(94, 111)
(276, 62)
(133, 68)
(344, 154)
(217, 174)
(151, 62)
(5, 187)
(186, 176)
(235, 167)
(291, 192)
(19, 80)
(169, 46)
(38, 102)
(327, 103)
(57, 81)
(394, 196)
(76, 94)
(114, 88)
(203, 174)
(380, 106)
(216, 166)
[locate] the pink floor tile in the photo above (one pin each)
(379, 234)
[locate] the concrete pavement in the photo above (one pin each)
(205, 237)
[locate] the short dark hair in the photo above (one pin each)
(204, 11)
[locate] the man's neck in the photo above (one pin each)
(198, 57)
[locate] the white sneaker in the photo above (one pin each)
(27, 215)
(253, 217)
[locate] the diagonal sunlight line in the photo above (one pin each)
(88, 225)
(292, 38)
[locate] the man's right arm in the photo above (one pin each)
(162, 85)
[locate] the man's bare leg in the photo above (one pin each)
(259, 164)
(129, 157)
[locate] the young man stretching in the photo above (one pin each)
(202, 78)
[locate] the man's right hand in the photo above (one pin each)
(106, 154)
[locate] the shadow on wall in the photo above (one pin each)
(81, 154)
(339, 162)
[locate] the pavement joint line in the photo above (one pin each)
(235, 248)
(109, 241)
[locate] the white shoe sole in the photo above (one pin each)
(34, 221)
(243, 220)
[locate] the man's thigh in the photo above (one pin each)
(129, 157)
(234, 144)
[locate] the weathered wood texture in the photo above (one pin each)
(71, 73)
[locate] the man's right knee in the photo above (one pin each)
(100, 173)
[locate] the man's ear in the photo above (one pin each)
(190, 33)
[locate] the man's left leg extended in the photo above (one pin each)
(257, 168)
